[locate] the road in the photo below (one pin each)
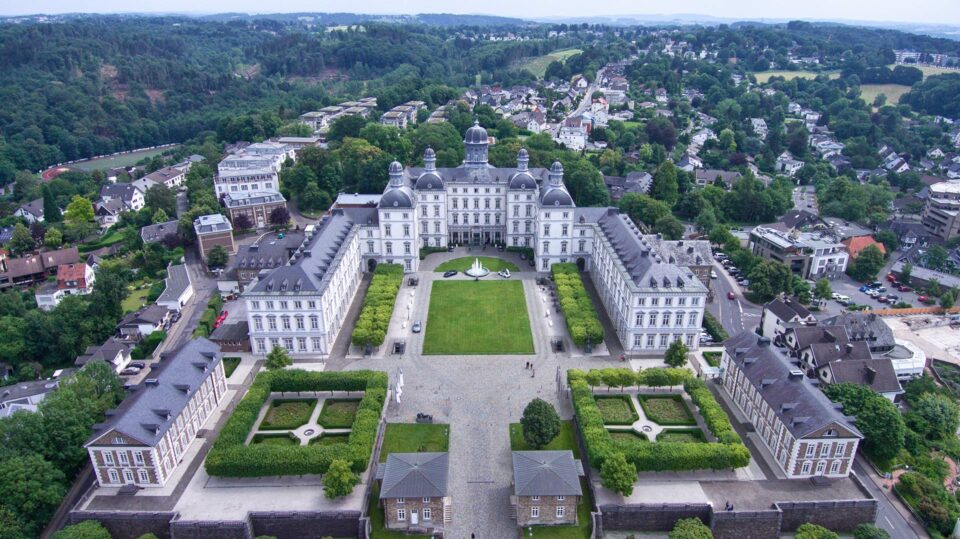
(736, 314)
(888, 516)
(805, 198)
(588, 96)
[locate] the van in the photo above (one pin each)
(841, 298)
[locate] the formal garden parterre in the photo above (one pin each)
(231, 456)
(683, 450)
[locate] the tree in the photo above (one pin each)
(313, 198)
(940, 413)
(888, 239)
(769, 278)
(669, 227)
(676, 354)
(88, 529)
(79, 211)
(339, 479)
(277, 359)
(540, 423)
(690, 528)
(877, 418)
(813, 531)
(217, 257)
(949, 298)
(617, 474)
(53, 238)
(161, 197)
(642, 208)
(822, 290)
(665, 186)
(33, 488)
(937, 257)
(279, 216)
(869, 531)
(51, 212)
(159, 216)
(868, 263)
(21, 241)
(905, 273)
(242, 222)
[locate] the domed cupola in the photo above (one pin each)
(555, 193)
(476, 145)
(429, 180)
(522, 179)
(396, 174)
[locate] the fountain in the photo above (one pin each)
(477, 270)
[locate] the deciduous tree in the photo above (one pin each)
(540, 422)
(617, 474)
(676, 354)
(339, 479)
(277, 359)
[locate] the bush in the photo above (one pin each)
(578, 311)
(869, 531)
(88, 529)
(937, 507)
(813, 531)
(714, 328)
(378, 305)
(231, 457)
(618, 475)
(146, 347)
(690, 528)
(424, 251)
(339, 480)
(541, 424)
(730, 453)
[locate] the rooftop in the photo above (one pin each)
(251, 198)
(177, 281)
(158, 231)
(208, 224)
(546, 473)
(414, 475)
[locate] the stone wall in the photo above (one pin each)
(210, 530)
(128, 525)
(746, 524)
(548, 510)
(650, 517)
(838, 516)
(296, 525)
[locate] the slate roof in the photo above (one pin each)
(808, 335)
(414, 475)
(786, 309)
(151, 314)
(177, 281)
(208, 224)
(252, 198)
(546, 473)
(648, 269)
(801, 407)
(29, 265)
(824, 352)
(158, 231)
(105, 352)
(269, 252)
(22, 390)
(123, 191)
(681, 252)
(709, 175)
(863, 327)
(34, 207)
(800, 219)
(308, 271)
(148, 413)
(878, 374)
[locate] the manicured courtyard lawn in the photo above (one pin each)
(414, 438)
(477, 318)
(580, 531)
(630, 437)
(682, 436)
(666, 410)
(331, 439)
(465, 263)
(288, 414)
(377, 521)
(565, 440)
(229, 365)
(338, 414)
(274, 439)
(617, 410)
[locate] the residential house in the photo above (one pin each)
(864, 327)
(413, 491)
(634, 182)
(130, 196)
(689, 162)
(232, 337)
(31, 212)
(141, 323)
(72, 279)
(394, 118)
(810, 255)
(707, 176)
(178, 290)
(114, 352)
(255, 205)
(142, 442)
(270, 251)
(107, 212)
(171, 177)
(877, 374)
(759, 127)
(299, 143)
(32, 269)
(800, 219)
(24, 396)
(786, 164)
(856, 244)
(213, 230)
(807, 434)
(546, 488)
(780, 312)
(159, 231)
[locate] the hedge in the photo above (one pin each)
(713, 415)
(714, 328)
(424, 251)
(231, 457)
(656, 456)
(378, 305)
(578, 311)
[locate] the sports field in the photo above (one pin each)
(869, 92)
(477, 318)
(122, 160)
(538, 64)
(764, 76)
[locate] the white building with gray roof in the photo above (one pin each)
(143, 441)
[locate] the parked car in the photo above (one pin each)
(731, 295)
(449, 248)
(417, 327)
(450, 273)
(881, 289)
(505, 273)
(864, 288)
(137, 365)
(744, 282)
(713, 274)
(893, 298)
(905, 288)
(129, 371)
(882, 299)
(176, 316)
(876, 284)
(891, 277)
(835, 295)
(922, 299)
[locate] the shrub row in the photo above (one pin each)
(713, 415)
(653, 456)
(209, 316)
(714, 328)
(231, 457)
(378, 305)
(424, 251)
(146, 346)
(582, 320)
(655, 377)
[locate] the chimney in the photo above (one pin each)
(763, 341)
(871, 375)
(849, 348)
(796, 375)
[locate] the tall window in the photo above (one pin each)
(314, 322)
(386, 230)
(561, 510)
(535, 512)
(401, 514)
(427, 513)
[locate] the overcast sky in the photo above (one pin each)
(934, 11)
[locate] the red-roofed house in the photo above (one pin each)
(855, 244)
(78, 278)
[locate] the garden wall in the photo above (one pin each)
(838, 516)
(295, 525)
(128, 525)
(651, 517)
(746, 524)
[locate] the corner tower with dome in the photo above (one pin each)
(476, 204)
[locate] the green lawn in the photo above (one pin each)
(712, 358)
(893, 92)
(274, 439)
(463, 264)
(477, 318)
(666, 410)
(338, 414)
(930, 70)
(288, 414)
(229, 365)
(765, 76)
(617, 410)
(565, 440)
(682, 436)
(139, 290)
(629, 437)
(414, 438)
(377, 520)
(331, 439)
(580, 531)
(538, 64)
(116, 161)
